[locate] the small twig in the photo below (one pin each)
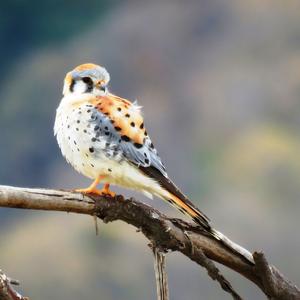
(161, 276)
(6, 290)
(96, 224)
(213, 272)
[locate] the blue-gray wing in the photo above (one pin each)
(120, 146)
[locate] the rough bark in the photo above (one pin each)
(168, 234)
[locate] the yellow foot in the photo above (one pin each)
(92, 190)
(107, 191)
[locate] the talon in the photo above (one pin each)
(106, 191)
(89, 190)
(92, 190)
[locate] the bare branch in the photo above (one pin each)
(163, 232)
(6, 290)
(215, 274)
(160, 274)
(276, 286)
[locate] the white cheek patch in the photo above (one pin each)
(98, 92)
(79, 87)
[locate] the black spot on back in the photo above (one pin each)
(138, 145)
(125, 138)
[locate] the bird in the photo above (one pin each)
(104, 137)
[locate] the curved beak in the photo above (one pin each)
(99, 83)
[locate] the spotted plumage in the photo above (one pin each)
(104, 137)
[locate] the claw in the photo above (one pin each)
(106, 191)
(89, 190)
(92, 190)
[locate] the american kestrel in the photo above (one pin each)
(103, 137)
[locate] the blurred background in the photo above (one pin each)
(219, 82)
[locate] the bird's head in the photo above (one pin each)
(86, 78)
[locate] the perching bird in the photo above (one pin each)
(104, 138)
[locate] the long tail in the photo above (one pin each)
(189, 209)
(173, 195)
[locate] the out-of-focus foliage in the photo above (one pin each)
(219, 83)
(27, 25)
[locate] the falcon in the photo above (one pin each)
(104, 137)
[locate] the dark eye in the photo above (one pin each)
(87, 80)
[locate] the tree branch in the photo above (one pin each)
(6, 290)
(163, 232)
(161, 277)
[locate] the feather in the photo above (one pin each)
(176, 197)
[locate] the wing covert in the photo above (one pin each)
(121, 123)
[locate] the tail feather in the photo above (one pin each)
(187, 207)
(172, 194)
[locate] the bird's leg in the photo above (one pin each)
(92, 189)
(106, 191)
